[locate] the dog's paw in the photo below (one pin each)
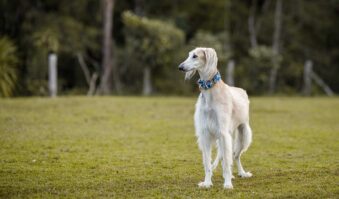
(205, 184)
(245, 175)
(228, 186)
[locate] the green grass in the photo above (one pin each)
(129, 147)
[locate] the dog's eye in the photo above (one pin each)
(195, 56)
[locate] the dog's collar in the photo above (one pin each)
(207, 84)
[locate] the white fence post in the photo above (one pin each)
(52, 74)
(310, 75)
(307, 77)
(147, 82)
(230, 73)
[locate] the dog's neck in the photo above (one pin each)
(206, 74)
(209, 83)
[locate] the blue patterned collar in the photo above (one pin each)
(207, 84)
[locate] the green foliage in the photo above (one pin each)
(69, 27)
(66, 36)
(155, 44)
(146, 148)
(47, 39)
(261, 53)
(203, 39)
(151, 41)
(259, 65)
(8, 67)
(216, 41)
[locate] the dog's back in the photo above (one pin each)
(240, 105)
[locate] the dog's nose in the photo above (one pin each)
(181, 67)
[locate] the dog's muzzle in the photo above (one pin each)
(181, 67)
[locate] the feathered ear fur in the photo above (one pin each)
(190, 74)
(211, 61)
(211, 57)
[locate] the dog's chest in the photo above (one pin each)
(206, 115)
(211, 119)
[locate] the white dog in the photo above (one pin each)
(221, 112)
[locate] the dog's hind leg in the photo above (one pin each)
(243, 140)
(226, 149)
(205, 146)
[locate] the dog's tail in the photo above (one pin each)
(217, 157)
(242, 140)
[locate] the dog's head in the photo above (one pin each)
(203, 60)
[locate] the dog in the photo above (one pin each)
(221, 116)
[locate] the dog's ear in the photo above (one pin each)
(190, 74)
(211, 57)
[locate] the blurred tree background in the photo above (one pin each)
(268, 40)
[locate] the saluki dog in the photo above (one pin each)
(221, 114)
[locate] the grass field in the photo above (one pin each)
(126, 147)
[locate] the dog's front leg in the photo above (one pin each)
(227, 160)
(205, 146)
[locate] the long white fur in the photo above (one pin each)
(221, 117)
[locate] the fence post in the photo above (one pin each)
(310, 75)
(307, 77)
(230, 72)
(52, 74)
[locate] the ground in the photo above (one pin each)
(132, 147)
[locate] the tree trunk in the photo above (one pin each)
(52, 74)
(275, 46)
(92, 84)
(254, 22)
(138, 7)
(91, 80)
(147, 81)
(322, 84)
(108, 65)
(116, 72)
(84, 68)
(230, 73)
(273, 76)
(258, 19)
(227, 27)
(251, 25)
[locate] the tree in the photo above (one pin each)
(260, 52)
(152, 42)
(276, 46)
(251, 24)
(108, 65)
(8, 67)
(308, 32)
(60, 37)
(147, 82)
